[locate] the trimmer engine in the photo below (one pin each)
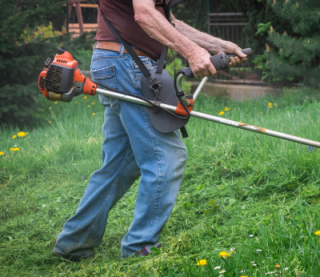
(61, 80)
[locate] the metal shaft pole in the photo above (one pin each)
(212, 118)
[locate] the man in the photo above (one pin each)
(132, 147)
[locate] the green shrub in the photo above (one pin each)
(24, 47)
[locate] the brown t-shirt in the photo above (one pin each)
(121, 15)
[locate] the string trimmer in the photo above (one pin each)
(61, 80)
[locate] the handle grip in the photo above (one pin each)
(186, 71)
(221, 60)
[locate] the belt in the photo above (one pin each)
(113, 46)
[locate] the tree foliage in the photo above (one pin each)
(23, 53)
(293, 55)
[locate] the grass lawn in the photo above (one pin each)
(255, 194)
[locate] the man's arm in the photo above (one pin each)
(158, 27)
(212, 44)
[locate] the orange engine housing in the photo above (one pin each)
(66, 60)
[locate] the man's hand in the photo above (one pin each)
(232, 48)
(200, 64)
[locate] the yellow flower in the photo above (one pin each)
(270, 105)
(202, 262)
(1, 153)
(224, 254)
(232, 251)
(56, 102)
(21, 134)
(14, 149)
(76, 102)
(226, 109)
(85, 97)
(49, 121)
(89, 106)
(277, 266)
(243, 276)
(92, 103)
(43, 110)
(93, 114)
(14, 136)
(275, 104)
(317, 233)
(221, 113)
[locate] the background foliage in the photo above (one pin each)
(27, 40)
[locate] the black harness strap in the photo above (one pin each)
(128, 47)
(162, 59)
(167, 9)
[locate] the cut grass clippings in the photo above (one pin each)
(252, 196)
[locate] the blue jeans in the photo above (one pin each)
(131, 147)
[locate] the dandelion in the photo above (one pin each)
(317, 233)
(243, 276)
(277, 266)
(224, 254)
(14, 149)
(49, 121)
(14, 136)
(85, 97)
(93, 103)
(93, 114)
(231, 250)
(202, 262)
(221, 113)
(89, 106)
(226, 109)
(270, 105)
(76, 102)
(56, 102)
(1, 153)
(21, 134)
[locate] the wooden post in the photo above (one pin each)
(79, 16)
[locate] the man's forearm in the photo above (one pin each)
(210, 43)
(157, 27)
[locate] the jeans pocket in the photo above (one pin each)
(105, 77)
